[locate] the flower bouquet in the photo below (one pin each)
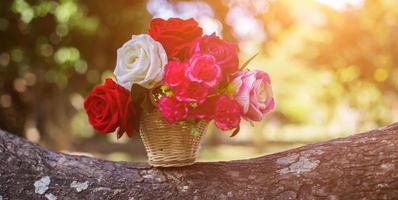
(170, 83)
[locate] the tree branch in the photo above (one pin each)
(360, 166)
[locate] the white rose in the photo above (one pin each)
(140, 60)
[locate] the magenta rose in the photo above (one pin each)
(226, 53)
(227, 113)
(253, 93)
(174, 73)
(206, 110)
(188, 91)
(172, 109)
(203, 69)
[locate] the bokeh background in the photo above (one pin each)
(333, 65)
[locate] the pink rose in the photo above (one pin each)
(172, 109)
(225, 53)
(202, 68)
(253, 93)
(227, 113)
(174, 73)
(188, 91)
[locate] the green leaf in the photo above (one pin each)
(182, 123)
(164, 88)
(146, 104)
(138, 93)
(195, 132)
(231, 89)
(139, 98)
(169, 93)
(136, 121)
(193, 104)
(248, 61)
(236, 131)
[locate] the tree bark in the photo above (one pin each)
(362, 166)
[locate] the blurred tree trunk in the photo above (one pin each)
(362, 166)
(53, 115)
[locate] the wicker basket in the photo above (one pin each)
(169, 145)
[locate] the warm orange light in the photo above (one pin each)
(341, 4)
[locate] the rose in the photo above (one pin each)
(206, 110)
(253, 93)
(191, 92)
(193, 80)
(176, 35)
(202, 68)
(174, 73)
(140, 60)
(172, 109)
(109, 106)
(182, 88)
(226, 53)
(227, 113)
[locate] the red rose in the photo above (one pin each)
(226, 53)
(172, 109)
(175, 34)
(109, 106)
(227, 113)
(203, 69)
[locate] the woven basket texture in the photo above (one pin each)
(169, 145)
